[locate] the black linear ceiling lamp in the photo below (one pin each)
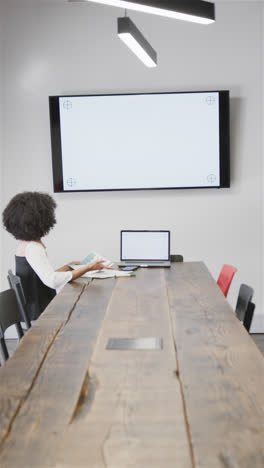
(197, 11)
(132, 37)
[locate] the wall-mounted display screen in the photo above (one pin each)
(140, 141)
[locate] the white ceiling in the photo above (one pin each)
(50, 2)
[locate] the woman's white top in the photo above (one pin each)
(36, 255)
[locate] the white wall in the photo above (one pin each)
(259, 321)
(73, 48)
(1, 127)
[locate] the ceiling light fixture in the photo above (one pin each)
(196, 11)
(132, 37)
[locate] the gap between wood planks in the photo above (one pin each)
(178, 375)
(22, 401)
(86, 397)
(90, 383)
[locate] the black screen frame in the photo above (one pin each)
(224, 137)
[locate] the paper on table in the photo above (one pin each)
(106, 273)
(91, 258)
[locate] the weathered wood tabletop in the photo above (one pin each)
(68, 402)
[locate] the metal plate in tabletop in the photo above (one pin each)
(150, 343)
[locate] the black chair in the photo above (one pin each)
(249, 316)
(16, 284)
(9, 315)
(244, 307)
(176, 258)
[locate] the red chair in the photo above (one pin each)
(225, 278)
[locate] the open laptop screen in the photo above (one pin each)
(145, 245)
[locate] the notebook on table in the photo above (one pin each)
(145, 248)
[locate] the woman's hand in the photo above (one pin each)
(100, 265)
(97, 265)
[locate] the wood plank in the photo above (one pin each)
(53, 399)
(132, 415)
(19, 372)
(221, 372)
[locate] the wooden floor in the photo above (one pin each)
(11, 345)
(259, 340)
(257, 337)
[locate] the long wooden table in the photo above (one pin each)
(68, 402)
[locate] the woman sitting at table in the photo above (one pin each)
(29, 216)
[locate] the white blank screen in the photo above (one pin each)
(140, 141)
(145, 246)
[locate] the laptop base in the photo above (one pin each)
(145, 264)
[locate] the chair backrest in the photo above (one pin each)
(16, 284)
(9, 315)
(225, 278)
(249, 316)
(245, 295)
(176, 258)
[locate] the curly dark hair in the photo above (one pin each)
(29, 215)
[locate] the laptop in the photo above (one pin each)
(145, 248)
